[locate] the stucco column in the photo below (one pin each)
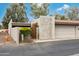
(15, 34)
(9, 27)
(46, 27)
(53, 27)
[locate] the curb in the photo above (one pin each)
(54, 40)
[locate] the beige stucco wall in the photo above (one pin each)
(46, 26)
(9, 26)
(15, 34)
(53, 27)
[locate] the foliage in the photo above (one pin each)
(26, 34)
(0, 26)
(16, 12)
(72, 13)
(25, 31)
(39, 9)
(60, 17)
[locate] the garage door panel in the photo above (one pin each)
(64, 32)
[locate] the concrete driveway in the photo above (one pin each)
(55, 48)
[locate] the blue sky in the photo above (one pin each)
(53, 8)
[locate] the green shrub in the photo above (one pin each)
(25, 31)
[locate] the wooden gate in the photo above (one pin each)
(34, 30)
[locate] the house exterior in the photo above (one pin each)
(47, 28)
(50, 29)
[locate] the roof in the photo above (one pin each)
(21, 24)
(66, 22)
(57, 22)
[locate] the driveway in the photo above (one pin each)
(55, 48)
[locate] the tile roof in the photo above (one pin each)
(67, 22)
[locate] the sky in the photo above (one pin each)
(53, 8)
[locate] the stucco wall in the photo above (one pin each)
(9, 26)
(15, 34)
(46, 27)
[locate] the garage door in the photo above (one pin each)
(65, 32)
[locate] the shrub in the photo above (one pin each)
(25, 31)
(27, 34)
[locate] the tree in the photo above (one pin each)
(72, 13)
(39, 9)
(16, 12)
(0, 25)
(60, 17)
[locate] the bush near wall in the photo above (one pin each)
(26, 33)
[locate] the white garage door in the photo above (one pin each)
(65, 32)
